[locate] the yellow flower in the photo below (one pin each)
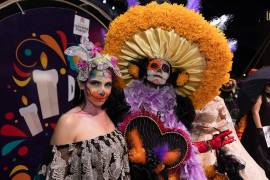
(182, 79)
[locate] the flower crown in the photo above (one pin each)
(90, 58)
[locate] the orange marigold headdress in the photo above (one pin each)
(181, 37)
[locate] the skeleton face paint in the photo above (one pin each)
(158, 71)
(98, 87)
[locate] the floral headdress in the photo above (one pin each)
(198, 50)
(90, 58)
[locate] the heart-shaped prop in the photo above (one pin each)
(153, 135)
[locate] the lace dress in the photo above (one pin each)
(102, 158)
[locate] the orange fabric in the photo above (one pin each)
(241, 126)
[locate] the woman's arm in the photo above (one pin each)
(255, 112)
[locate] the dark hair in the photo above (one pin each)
(185, 110)
(229, 164)
(264, 93)
(142, 64)
(267, 84)
(115, 106)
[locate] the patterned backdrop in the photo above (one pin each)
(36, 84)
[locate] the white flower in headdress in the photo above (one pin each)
(90, 58)
(83, 50)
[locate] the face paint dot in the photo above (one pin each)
(14, 160)
(34, 34)
(46, 134)
(23, 151)
(15, 90)
(9, 115)
(16, 121)
(46, 124)
(63, 71)
(28, 52)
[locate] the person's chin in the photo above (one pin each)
(158, 81)
(99, 104)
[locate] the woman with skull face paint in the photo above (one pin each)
(86, 143)
(158, 71)
(165, 64)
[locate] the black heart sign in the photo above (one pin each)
(153, 134)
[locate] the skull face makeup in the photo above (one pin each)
(98, 87)
(158, 71)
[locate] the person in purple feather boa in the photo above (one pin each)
(163, 65)
(154, 92)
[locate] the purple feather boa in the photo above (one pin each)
(163, 100)
(132, 3)
(194, 4)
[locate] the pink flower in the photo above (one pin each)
(82, 64)
(114, 61)
(95, 50)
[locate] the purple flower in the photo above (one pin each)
(113, 61)
(96, 49)
(82, 64)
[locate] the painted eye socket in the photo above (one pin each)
(108, 85)
(154, 65)
(165, 68)
(94, 83)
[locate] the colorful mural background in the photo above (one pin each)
(36, 84)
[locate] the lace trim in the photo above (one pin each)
(104, 157)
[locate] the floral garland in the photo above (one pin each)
(188, 24)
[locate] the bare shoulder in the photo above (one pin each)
(259, 100)
(65, 129)
(65, 121)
